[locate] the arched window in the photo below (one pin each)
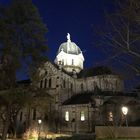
(106, 83)
(45, 83)
(116, 84)
(46, 73)
(50, 83)
(41, 84)
(34, 114)
(71, 86)
(21, 114)
(59, 62)
(82, 116)
(82, 87)
(64, 83)
(94, 84)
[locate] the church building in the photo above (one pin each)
(82, 98)
(80, 93)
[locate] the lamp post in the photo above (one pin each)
(125, 111)
(39, 125)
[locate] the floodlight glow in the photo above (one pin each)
(124, 110)
(39, 121)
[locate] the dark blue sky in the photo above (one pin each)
(76, 17)
(80, 18)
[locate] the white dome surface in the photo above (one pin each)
(70, 48)
(70, 56)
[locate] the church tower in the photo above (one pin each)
(69, 57)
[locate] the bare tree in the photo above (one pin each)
(120, 36)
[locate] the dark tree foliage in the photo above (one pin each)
(22, 39)
(22, 46)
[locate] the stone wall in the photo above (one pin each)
(75, 124)
(103, 82)
(117, 132)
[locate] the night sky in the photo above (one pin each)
(76, 17)
(80, 18)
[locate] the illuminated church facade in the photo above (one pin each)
(78, 93)
(82, 98)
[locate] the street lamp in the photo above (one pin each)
(39, 125)
(39, 121)
(125, 111)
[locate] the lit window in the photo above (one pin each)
(82, 116)
(110, 117)
(66, 116)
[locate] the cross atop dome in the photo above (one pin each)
(68, 37)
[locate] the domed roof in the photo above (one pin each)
(69, 47)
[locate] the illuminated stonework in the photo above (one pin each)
(95, 96)
(70, 56)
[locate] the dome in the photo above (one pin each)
(70, 48)
(69, 57)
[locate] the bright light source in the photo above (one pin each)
(124, 110)
(110, 116)
(39, 121)
(82, 116)
(66, 116)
